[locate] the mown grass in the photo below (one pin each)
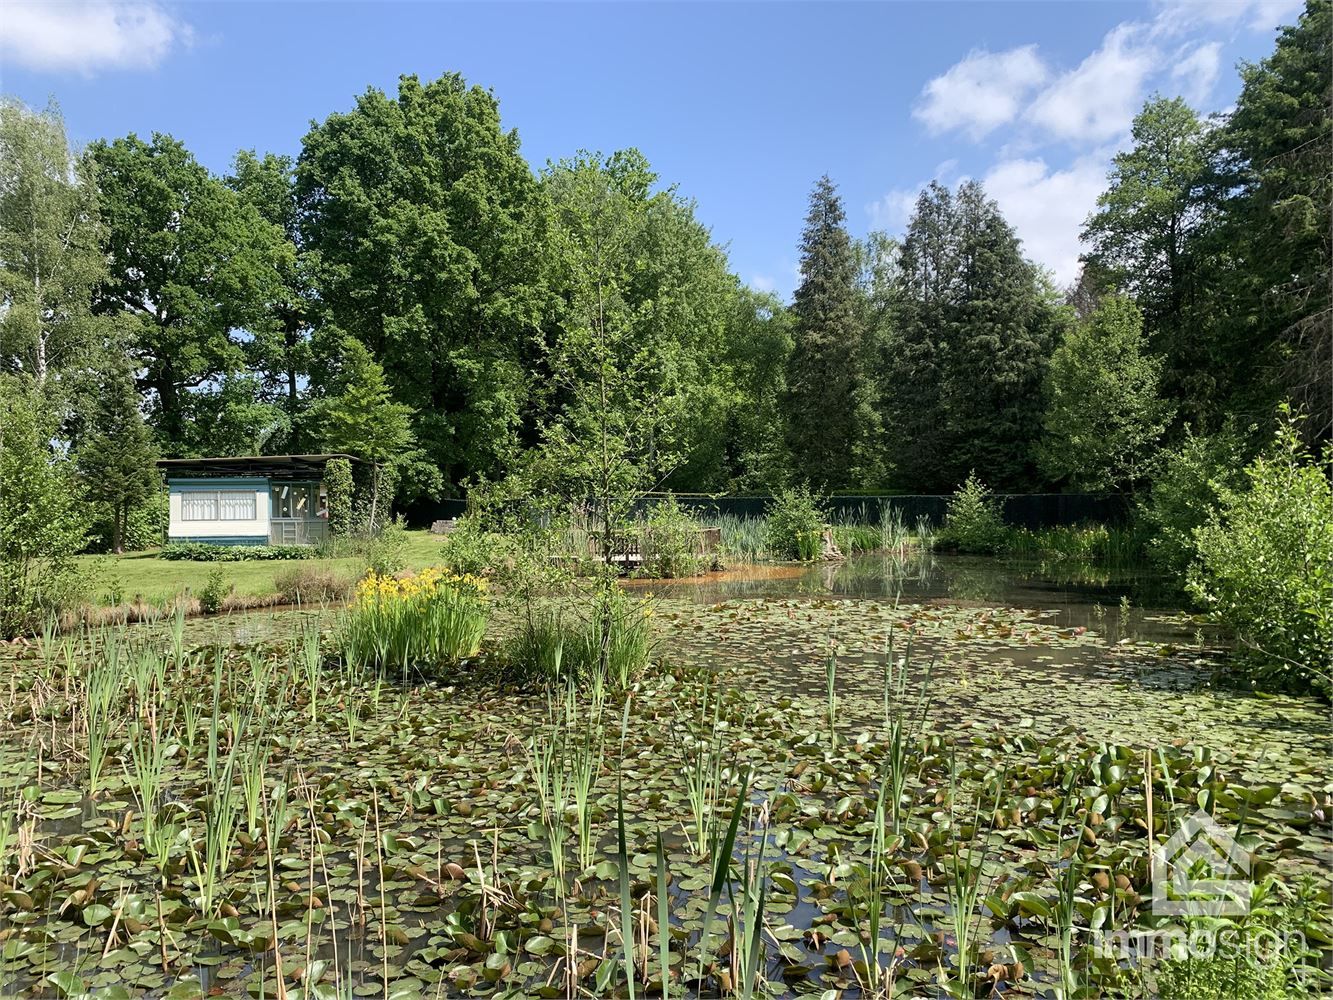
(152, 580)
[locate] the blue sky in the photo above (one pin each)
(741, 105)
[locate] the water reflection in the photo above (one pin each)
(1116, 604)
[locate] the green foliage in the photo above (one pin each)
(386, 550)
(50, 246)
(190, 263)
(145, 524)
(821, 374)
(971, 327)
(1104, 416)
(363, 420)
(1143, 236)
(535, 653)
(671, 541)
(796, 520)
(973, 523)
(206, 552)
(431, 619)
(41, 518)
(617, 637)
(116, 458)
(1090, 544)
(214, 592)
(338, 482)
(423, 205)
(1264, 566)
(1187, 485)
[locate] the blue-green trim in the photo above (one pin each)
(221, 539)
(207, 483)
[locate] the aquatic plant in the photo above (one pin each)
(430, 619)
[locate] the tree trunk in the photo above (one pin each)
(117, 529)
(374, 494)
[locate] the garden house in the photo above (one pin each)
(250, 500)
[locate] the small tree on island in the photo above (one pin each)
(116, 459)
(362, 419)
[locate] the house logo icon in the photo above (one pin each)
(1200, 871)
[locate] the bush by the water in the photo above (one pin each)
(1264, 566)
(973, 524)
(207, 552)
(1188, 485)
(796, 522)
(671, 542)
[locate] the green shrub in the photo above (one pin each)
(471, 548)
(214, 593)
(41, 514)
(973, 523)
(207, 552)
(338, 482)
(386, 550)
(145, 524)
(796, 522)
(671, 542)
(1264, 566)
(1187, 485)
(629, 646)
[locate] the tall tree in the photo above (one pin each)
(821, 377)
(50, 245)
(279, 348)
(1143, 238)
(190, 265)
(1007, 322)
(1104, 414)
(428, 234)
(116, 455)
(976, 323)
(1276, 231)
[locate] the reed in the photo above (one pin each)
(101, 690)
(704, 767)
(967, 880)
(721, 858)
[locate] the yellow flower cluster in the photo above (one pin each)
(426, 584)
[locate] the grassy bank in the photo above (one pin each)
(144, 577)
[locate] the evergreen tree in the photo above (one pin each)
(821, 378)
(1274, 248)
(363, 420)
(1004, 328)
(1105, 416)
(975, 326)
(116, 456)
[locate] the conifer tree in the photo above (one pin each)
(822, 374)
(117, 456)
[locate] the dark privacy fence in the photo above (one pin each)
(1027, 510)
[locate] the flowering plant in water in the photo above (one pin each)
(431, 618)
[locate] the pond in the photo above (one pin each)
(912, 752)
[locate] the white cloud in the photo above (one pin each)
(763, 283)
(1097, 100)
(1196, 72)
(1179, 16)
(85, 36)
(982, 92)
(1048, 207)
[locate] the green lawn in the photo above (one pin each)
(157, 581)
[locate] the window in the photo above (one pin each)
(218, 505)
(292, 499)
(199, 505)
